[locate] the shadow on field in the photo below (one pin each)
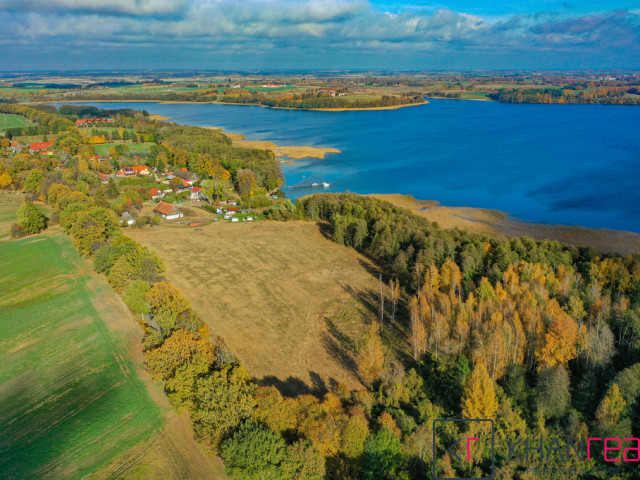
(370, 299)
(290, 387)
(339, 346)
(325, 229)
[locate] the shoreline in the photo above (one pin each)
(474, 219)
(175, 102)
(291, 152)
(501, 224)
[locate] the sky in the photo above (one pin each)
(319, 34)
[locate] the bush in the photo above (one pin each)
(18, 231)
(31, 220)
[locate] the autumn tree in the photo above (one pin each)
(479, 399)
(559, 344)
(34, 181)
(222, 400)
(612, 406)
(274, 411)
(93, 228)
(246, 183)
(181, 361)
(418, 337)
(354, 436)
(5, 180)
(370, 359)
(167, 305)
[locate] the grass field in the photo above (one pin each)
(70, 398)
(9, 204)
(133, 147)
(13, 121)
(289, 301)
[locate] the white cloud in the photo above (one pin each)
(305, 25)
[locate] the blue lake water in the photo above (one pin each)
(567, 164)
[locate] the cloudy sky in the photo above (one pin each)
(319, 34)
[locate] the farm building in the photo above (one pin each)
(167, 211)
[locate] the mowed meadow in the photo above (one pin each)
(70, 398)
(290, 302)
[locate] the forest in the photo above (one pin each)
(542, 338)
(600, 95)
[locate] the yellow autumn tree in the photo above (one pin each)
(612, 406)
(479, 395)
(560, 340)
(371, 358)
(418, 334)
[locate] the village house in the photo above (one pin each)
(40, 146)
(85, 122)
(168, 211)
(104, 178)
(155, 193)
(196, 193)
(185, 175)
(129, 171)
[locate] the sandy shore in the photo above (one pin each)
(494, 222)
(158, 117)
(292, 152)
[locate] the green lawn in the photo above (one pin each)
(70, 400)
(133, 147)
(13, 121)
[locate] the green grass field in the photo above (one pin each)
(133, 147)
(13, 121)
(70, 400)
(9, 204)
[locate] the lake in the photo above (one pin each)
(567, 164)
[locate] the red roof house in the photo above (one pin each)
(40, 146)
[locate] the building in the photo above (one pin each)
(40, 146)
(104, 178)
(85, 122)
(155, 193)
(196, 193)
(129, 171)
(168, 211)
(127, 219)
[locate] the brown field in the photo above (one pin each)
(494, 222)
(286, 299)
